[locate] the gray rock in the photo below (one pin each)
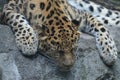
(88, 65)
(0, 73)
(8, 68)
(107, 76)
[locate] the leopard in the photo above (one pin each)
(53, 28)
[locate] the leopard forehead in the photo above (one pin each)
(63, 39)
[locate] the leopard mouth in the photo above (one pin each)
(64, 69)
(61, 63)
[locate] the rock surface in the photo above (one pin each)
(88, 65)
(8, 69)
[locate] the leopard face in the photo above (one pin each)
(60, 44)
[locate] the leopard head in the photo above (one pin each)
(60, 43)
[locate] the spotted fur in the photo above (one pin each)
(52, 27)
(109, 18)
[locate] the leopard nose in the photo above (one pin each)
(68, 63)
